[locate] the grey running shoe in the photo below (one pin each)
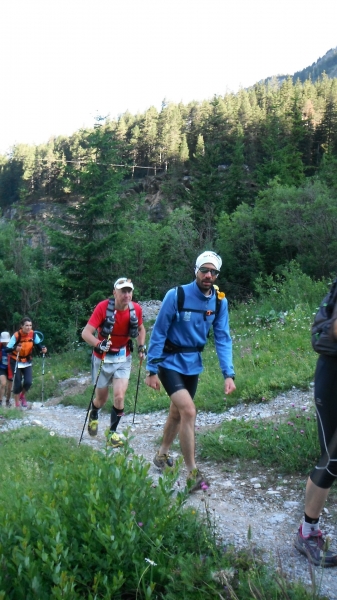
(315, 548)
(196, 481)
(113, 440)
(93, 423)
(163, 460)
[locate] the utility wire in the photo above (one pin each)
(84, 162)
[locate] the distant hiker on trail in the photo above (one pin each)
(5, 384)
(20, 369)
(309, 539)
(116, 321)
(174, 359)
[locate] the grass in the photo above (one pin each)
(291, 445)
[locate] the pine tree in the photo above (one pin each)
(83, 238)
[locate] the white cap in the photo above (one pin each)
(123, 282)
(5, 337)
(208, 257)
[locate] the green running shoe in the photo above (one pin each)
(93, 423)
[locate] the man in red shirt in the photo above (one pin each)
(116, 321)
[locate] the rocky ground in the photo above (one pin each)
(241, 496)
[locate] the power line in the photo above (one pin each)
(85, 162)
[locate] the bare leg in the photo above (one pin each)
(119, 389)
(171, 429)
(2, 387)
(184, 406)
(101, 397)
(315, 498)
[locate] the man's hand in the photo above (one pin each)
(104, 345)
(142, 351)
(229, 385)
(152, 381)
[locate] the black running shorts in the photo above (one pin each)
(174, 381)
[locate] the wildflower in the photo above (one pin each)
(153, 564)
(302, 431)
(292, 404)
(290, 423)
(204, 486)
(140, 524)
(52, 432)
(304, 408)
(193, 512)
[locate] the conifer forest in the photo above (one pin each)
(251, 175)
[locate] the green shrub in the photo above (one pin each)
(75, 523)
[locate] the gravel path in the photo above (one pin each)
(238, 498)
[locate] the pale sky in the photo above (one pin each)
(63, 62)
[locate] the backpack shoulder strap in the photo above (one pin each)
(111, 307)
(180, 298)
(133, 327)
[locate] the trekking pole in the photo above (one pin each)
(93, 393)
(134, 411)
(42, 389)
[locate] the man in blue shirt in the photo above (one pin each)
(174, 357)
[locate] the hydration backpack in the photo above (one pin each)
(171, 348)
(181, 299)
(322, 339)
(109, 321)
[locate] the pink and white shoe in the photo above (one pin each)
(23, 400)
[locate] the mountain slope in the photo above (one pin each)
(327, 64)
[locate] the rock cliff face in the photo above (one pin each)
(158, 200)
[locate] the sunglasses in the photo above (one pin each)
(213, 272)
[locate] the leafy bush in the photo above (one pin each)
(80, 524)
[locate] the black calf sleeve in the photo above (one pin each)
(116, 415)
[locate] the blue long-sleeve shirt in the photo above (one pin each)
(190, 329)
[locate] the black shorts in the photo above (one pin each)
(173, 381)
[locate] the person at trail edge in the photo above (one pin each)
(20, 367)
(174, 357)
(5, 384)
(309, 539)
(116, 320)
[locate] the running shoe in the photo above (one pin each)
(315, 548)
(163, 460)
(113, 440)
(23, 400)
(196, 481)
(93, 423)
